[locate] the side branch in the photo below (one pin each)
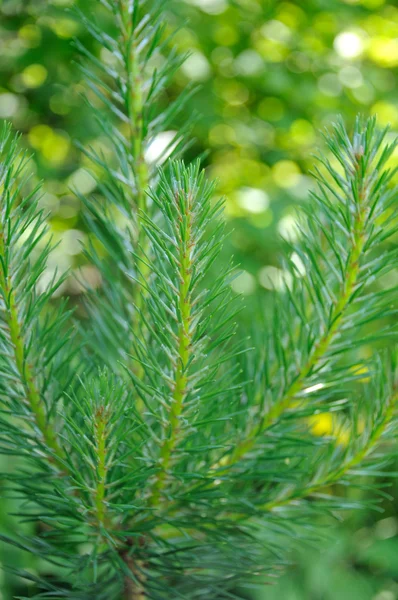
(338, 311)
(184, 340)
(24, 367)
(318, 353)
(335, 476)
(134, 106)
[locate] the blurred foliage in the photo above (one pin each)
(271, 74)
(359, 563)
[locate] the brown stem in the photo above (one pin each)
(133, 586)
(132, 589)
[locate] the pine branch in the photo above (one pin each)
(134, 106)
(362, 195)
(372, 438)
(16, 286)
(37, 367)
(134, 97)
(25, 369)
(184, 208)
(181, 329)
(131, 93)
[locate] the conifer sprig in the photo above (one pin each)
(131, 92)
(187, 322)
(33, 352)
(357, 454)
(38, 372)
(334, 297)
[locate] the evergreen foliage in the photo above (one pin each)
(162, 454)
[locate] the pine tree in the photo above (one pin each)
(162, 454)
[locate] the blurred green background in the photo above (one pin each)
(271, 75)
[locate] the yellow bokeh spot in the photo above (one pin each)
(34, 76)
(361, 370)
(53, 146)
(31, 34)
(387, 113)
(326, 425)
(65, 28)
(56, 149)
(383, 51)
(290, 14)
(226, 35)
(235, 171)
(222, 134)
(302, 133)
(37, 134)
(234, 93)
(261, 221)
(272, 50)
(184, 40)
(321, 424)
(286, 173)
